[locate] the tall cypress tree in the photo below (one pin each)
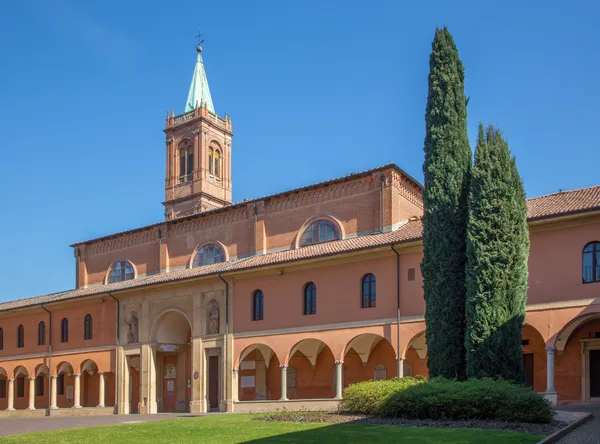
(497, 252)
(446, 170)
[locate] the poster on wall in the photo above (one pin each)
(170, 385)
(247, 381)
(69, 392)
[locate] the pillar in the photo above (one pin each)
(148, 380)
(123, 376)
(235, 394)
(339, 384)
(11, 396)
(77, 391)
(550, 393)
(53, 405)
(101, 390)
(197, 403)
(283, 383)
(31, 394)
(400, 371)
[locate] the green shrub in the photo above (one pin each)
(448, 400)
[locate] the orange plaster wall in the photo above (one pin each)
(555, 266)
(337, 286)
(313, 383)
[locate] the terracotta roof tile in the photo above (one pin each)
(564, 202)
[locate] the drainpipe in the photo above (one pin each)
(49, 353)
(382, 200)
(226, 337)
(398, 311)
(117, 345)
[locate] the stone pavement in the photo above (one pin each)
(13, 426)
(590, 431)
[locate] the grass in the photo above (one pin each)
(228, 428)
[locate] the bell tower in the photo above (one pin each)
(198, 145)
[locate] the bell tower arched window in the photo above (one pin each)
(217, 161)
(591, 263)
(186, 161)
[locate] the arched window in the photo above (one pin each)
(310, 299)
(369, 294)
(258, 306)
(217, 160)
(88, 327)
(209, 254)
(211, 156)
(42, 333)
(591, 263)
(64, 330)
(20, 337)
(121, 271)
(1, 339)
(321, 230)
(186, 161)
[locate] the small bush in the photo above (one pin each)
(448, 400)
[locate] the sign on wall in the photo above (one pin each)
(247, 381)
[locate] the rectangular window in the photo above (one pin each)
(411, 274)
(20, 387)
(39, 385)
(2, 388)
(60, 384)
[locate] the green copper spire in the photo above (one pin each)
(199, 93)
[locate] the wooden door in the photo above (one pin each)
(169, 383)
(134, 390)
(213, 382)
(594, 373)
(528, 367)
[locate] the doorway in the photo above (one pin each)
(594, 373)
(528, 367)
(169, 383)
(213, 383)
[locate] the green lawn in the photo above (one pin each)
(221, 429)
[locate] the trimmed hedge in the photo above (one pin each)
(445, 399)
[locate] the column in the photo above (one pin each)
(283, 383)
(31, 394)
(77, 391)
(235, 385)
(11, 396)
(198, 402)
(339, 384)
(53, 393)
(400, 372)
(101, 390)
(550, 394)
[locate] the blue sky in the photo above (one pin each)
(316, 89)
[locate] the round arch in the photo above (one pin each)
(3, 373)
(266, 352)
(325, 216)
(169, 327)
(64, 367)
(419, 343)
(364, 344)
(89, 366)
(42, 369)
(310, 348)
(113, 263)
(563, 336)
(216, 242)
(20, 371)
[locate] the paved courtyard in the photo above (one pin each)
(13, 426)
(589, 433)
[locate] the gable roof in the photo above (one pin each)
(552, 205)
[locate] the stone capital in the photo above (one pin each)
(284, 366)
(550, 349)
(339, 362)
(31, 379)
(76, 375)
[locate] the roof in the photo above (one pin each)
(199, 95)
(324, 183)
(564, 202)
(552, 205)
(407, 232)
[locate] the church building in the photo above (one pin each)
(277, 302)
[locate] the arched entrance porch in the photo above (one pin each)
(172, 335)
(309, 371)
(369, 357)
(415, 357)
